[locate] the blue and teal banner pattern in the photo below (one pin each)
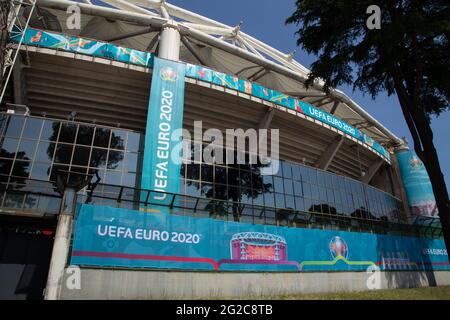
(161, 170)
(113, 237)
(417, 184)
(111, 51)
(85, 46)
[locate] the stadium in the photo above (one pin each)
(79, 149)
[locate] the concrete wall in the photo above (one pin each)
(135, 284)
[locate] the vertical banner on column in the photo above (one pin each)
(161, 172)
(417, 184)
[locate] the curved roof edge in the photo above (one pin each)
(215, 34)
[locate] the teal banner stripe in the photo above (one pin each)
(114, 237)
(161, 171)
(111, 51)
(86, 46)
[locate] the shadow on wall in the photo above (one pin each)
(399, 256)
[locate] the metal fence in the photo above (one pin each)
(43, 197)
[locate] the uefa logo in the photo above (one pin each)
(168, 74)
(338, 248)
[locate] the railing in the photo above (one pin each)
(33, 197)
(47, 200)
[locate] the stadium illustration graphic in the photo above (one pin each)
(258, 246)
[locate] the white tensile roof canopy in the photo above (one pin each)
(137, 23)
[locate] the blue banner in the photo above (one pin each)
(106, 236)
(161, 172)
(417, 184)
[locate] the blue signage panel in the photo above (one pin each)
(106, 236)
(417, 184)
(161, 170)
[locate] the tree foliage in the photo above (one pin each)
(413, 40)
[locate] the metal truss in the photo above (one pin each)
(16, 27)
(231, 35)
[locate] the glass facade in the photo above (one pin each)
(294, 187)
(36, 148)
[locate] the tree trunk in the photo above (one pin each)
(430, 160)
(422, 135)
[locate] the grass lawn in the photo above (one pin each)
(429, 293)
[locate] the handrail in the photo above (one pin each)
(258, 213)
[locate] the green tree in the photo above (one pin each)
(409, 55)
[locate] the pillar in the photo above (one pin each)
(61, 245)
(169, 42)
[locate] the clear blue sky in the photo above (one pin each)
(264, 20)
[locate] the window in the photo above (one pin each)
(37, 148)
(134, 141)
(50, 130)
(5, 166)
(9, 148)
(15, 125)
(32, 128)
(85, 135)
(278, 185)
(113, 177)
(288, 187)
(40, 171)
(27, 148)
(63, 153)
(81, 156)
(98, 158)
(115, 159)
(45, 151)
(101, 138)
(131, 162)
(118, 139)
(68, 133)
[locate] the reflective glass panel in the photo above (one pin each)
(32, 128)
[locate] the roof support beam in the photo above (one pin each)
(192, 50)
(372, 170)
(19, 82)
(306, 94)
(246, 68)
(132, 34)
(267, 119)
(316, 102)
(334, 107)
(328, 155)
(153, 42)
(258, 74)
(323, 102)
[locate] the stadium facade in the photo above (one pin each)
(88, 185)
